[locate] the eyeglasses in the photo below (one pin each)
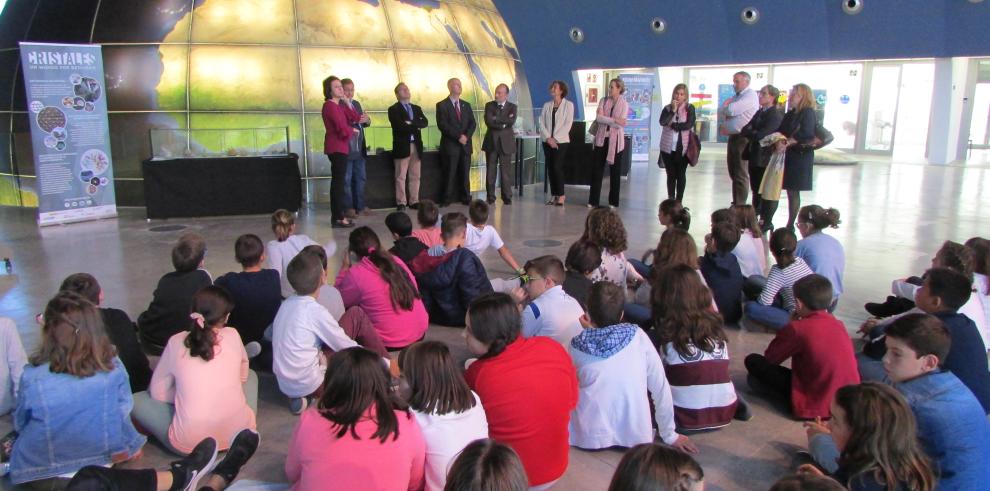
(525, 278)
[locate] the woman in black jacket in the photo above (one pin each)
(766, 121)
(676, 121)
(798, 126)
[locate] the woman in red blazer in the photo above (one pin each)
(337, 118)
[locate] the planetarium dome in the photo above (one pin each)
(231, 64)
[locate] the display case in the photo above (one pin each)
(167, 144)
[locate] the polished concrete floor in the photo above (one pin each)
(894, 217)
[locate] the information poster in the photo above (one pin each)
(639, 96)
(69, 131)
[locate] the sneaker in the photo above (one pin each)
(298, 404)
(743, 411)
(241, 449)
(188, 472)
(253, 349)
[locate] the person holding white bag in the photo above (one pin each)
(610, 137)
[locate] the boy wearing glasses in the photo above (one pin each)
(551, 312)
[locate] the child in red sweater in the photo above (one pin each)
(820, 349)
(528, 386)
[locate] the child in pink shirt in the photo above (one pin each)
(356, 437)
(428, 216)
(202, 386)
(384, 288)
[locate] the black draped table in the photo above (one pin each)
(221, 186)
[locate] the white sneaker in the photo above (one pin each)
(253, 349)
(298, 404)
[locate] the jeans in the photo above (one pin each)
(638, 314)
(773, 317)
(870, 370)
(644, 270)
(825, 452)
(354, 180)
(156, 416)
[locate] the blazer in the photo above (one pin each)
(499, 122)
(451, 128)
(337, 119)
(403, 128)
(764, 122)
(565, 118)
(358, 144)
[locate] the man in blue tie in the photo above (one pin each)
(407, 120)
(456, 122)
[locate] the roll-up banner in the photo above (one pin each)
(67, 107)
(639, 96)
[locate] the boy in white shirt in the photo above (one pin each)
(481, 236)
(303, 328)
(616, 365)
(551, 312)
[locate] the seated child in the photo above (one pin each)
(257, 294)
(405, 247)
(823, 253)
(358, 436)
(767, 310)
(328, 296)
(583, 258)
(980, 248)
(749, 259)
(74, 402)
(384, 288)
(303, 327)
(749, 226)
(873, 431)
(695, 352)
(481, 236)
(604, 228)
(671, 215)
(676, 247)
(952, 426)
(450, 280)
(487, 465)
(720, 269)
(807, 481)
(820, 350)
(652, 466)
(120, 329)
(551, 311)
(286, 245)
(11, 366)
(427, 215)
(168, 313)
(202, 385)
(618, 371)
(448, 412)
(526, 385)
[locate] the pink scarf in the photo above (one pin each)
(616, 136)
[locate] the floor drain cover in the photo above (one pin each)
(543, 243)
(167, 228)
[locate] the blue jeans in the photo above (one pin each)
(644, 270)
(638, 314)
(870, 370)
(773, 317)
(825, 452)
(354, 179)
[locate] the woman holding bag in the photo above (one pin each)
(610, 137)
(676, 122)
(766, 121)
(798, 126)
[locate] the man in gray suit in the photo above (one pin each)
(499, 143)
(456, 124)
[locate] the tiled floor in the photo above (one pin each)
(894, 217)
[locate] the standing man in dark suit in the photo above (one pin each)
(355, 177)
(500, 143)
(407, 120)
(456, 123)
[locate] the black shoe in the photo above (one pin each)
(506, 201)
(341, 224)
(400, 208)
(241, 449)
(491, 200)
(414, 206)
(188, 472)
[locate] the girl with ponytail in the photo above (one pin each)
(202, 386)
(823, 253)
(384, 288)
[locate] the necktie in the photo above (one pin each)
(457, 109)
(499, 107)
(408, 111)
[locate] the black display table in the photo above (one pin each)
(379, 190)
(221, 186)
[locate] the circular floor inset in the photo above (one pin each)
(167, 228)
(542, 243)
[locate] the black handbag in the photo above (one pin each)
(822, 136)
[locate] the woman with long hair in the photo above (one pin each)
(338, 119)
(202, 386)
(556, 119)
(359, 435)
(798, 126)
(609, 143)
(877, 438)
(766, 121)
(382, 285)
(676, 123)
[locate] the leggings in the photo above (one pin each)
(676, 165)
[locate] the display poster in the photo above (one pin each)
(69, 131)
(725, 92)
(639, 96)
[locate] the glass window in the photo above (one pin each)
(838, 84)
(981, 115)
(704, 85)
(882, 110)
(914, 109)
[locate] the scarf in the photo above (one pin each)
(604, 342)
(668, 143)
(616, 136)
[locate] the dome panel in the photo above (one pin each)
(145, 77)
(244, 21)
(247, 78)
(366, 25)
(423, 25)
(147, 21)
(373, 72)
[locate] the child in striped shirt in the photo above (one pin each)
(695, 352)
(768, 309)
